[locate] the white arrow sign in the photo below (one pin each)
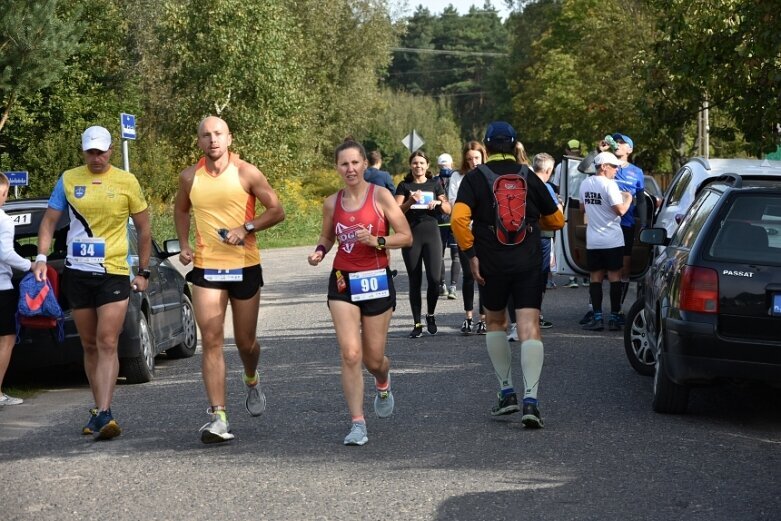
(412, 141)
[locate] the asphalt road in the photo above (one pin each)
(603, 454)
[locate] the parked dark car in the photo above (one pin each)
(160, 320)
(712, 299)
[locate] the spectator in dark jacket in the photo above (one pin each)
(374, 175)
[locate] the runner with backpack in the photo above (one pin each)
(508, 205)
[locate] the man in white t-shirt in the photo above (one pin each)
(604, 204)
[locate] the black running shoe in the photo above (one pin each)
(431, 325)
(466, 327)
(545, 324)
(588, 317)
(596, 324)
(612, 323)
(480, 328)
(531, 415)
(417, 331)
(508, 404)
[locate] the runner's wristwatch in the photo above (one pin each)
(144, 273)
(249, 227)
(380, 243)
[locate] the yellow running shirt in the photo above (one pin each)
(99, 206)
(219, 201)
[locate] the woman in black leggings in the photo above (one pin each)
(421, 199)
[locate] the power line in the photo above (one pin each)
(454, 53)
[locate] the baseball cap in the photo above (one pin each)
(444, 159)
(499, 132)
(572, 144)
(606, 158)
(626, 139)
(96, 138)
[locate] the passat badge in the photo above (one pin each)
(735, 273)
(79, 191)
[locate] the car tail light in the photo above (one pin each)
(699, 290)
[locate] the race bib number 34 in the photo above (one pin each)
(368, 285)
(91, 250)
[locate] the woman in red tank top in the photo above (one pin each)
(361, 296)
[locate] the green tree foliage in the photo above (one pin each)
(34, 43)
(728, 52)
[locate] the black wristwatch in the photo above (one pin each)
(380, 243)
(144, 273)
(249, 227)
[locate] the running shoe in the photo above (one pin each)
(588, 317)
(531, 414)
(571, 284)
(417, 331)
(451, 294)
(431, 324)
(585, 283)
(480, 328)
(217, 430)
(384, 402)
(9, 400)
(442, 290)
(90, 427)
(612, 323)
(508, 404)
(512, 333)
(106, 427)
(466, 327)
(596, 324)
(545, 324)
(620, 320)
(551, 284)
(357, 435)
(256, 400)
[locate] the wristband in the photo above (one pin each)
(320, 248)
(40, 258)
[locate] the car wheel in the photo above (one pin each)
(190, 340)
(639, 351)
(141, 368)
(669, 397)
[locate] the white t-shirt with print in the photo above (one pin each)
(599, 194)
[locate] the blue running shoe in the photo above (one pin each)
(357, 435)
(90, 427)
(106, 427)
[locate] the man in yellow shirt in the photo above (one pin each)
(221, 191)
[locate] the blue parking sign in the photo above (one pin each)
(20, 178)
(128, 126)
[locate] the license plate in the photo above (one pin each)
(775, 308)
(21, 219)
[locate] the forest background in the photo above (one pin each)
(293, 78)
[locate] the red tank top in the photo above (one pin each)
(351, 255)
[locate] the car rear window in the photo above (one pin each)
(749, 230)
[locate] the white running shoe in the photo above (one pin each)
(216, 431)
(256, 400)
(9, 400)
(512, 333)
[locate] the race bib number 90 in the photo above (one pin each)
(369, 285)
(91, 250)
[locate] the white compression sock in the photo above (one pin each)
(532, 355)
(501, 357)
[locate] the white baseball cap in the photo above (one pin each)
(96, 138)
(444, 159)
(606, 158)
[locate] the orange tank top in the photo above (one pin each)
(219, 201)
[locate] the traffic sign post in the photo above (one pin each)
(17, 179)
(413, 141)
(127, 125)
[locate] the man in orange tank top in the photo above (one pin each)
(221, 190)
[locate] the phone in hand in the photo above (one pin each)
(223, 233)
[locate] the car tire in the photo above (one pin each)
(141, 368)
(669, 397)
(639, 351)
(190, 341)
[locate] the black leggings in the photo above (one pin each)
(455, 267)
(468, 286)
(426, 248)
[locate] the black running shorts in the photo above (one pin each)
(84, 289)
